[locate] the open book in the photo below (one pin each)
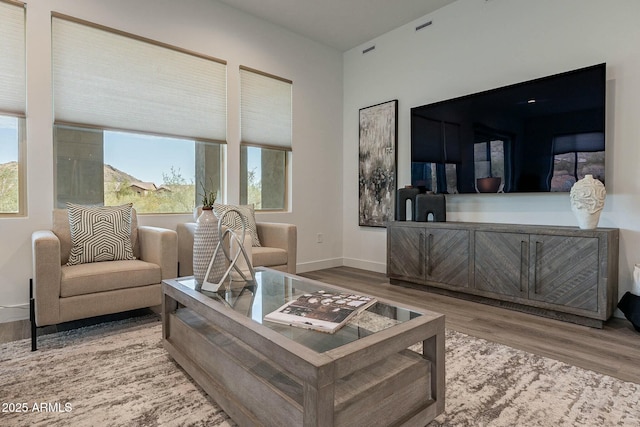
(324, 311)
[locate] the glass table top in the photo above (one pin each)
(272, 289)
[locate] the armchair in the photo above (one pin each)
(62, 293)
(278, 250)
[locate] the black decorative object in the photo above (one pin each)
(630, 306)
(434, 204)
(402, 196)
(377, 163)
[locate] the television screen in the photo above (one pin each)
(537, 136)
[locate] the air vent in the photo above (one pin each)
(369, 49)
(426, 24)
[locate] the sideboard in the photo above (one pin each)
(565, 273)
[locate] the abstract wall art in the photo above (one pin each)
(377, 163)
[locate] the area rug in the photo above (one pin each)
(118, 374)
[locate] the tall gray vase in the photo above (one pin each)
(205, 240)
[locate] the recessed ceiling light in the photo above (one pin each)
(531, 101)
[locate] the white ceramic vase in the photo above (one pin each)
(205, 240)
(587, 200)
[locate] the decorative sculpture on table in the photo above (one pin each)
(215, 276)
(587, 200)
(431, 204)
(402, 196)
(424, 206)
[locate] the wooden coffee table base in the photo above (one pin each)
(264, 379)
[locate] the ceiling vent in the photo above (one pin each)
(426, 24)
(369, 49)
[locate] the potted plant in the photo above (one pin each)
(208, 198)
(206, 235)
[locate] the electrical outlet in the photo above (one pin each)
(319, 238)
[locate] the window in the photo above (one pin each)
(265, 173)
(489, 159)
(97, 166)
(435, 159)
(146, 123)
(12, 109)
(265, 126)
(11, 173)
(490, 167)
(437, 177)
(575, 156)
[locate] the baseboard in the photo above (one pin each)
(378, 267)
(14, 312)
(318, 265)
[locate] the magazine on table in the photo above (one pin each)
(324, 311)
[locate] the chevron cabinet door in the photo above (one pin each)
(501, 263)
(405, 253)
(447, 256)
(565, 271)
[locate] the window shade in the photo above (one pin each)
(581, 142)
(12, 64)
(113, 80)
(435, 141)
(265, 110)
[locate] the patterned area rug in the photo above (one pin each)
(118, 374)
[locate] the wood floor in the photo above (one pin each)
(613, 350)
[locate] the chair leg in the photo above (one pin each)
(32, 317)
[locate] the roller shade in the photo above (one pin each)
(581, 142)
(12, 64)
(114, 80)
(434, 141)
(265, 110)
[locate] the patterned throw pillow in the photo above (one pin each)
(100, 233)
(235, 223)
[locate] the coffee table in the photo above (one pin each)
(264, 373)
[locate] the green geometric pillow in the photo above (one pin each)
(100, 233)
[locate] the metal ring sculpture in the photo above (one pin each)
(232, 259)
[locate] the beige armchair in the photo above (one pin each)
(62, 293)
(278, 250)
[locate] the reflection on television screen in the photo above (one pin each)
(538, 136)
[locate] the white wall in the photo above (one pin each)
(475, 45)
(213, 29)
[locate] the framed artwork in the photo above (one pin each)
(377, 163)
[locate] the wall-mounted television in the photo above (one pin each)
(537, 136)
